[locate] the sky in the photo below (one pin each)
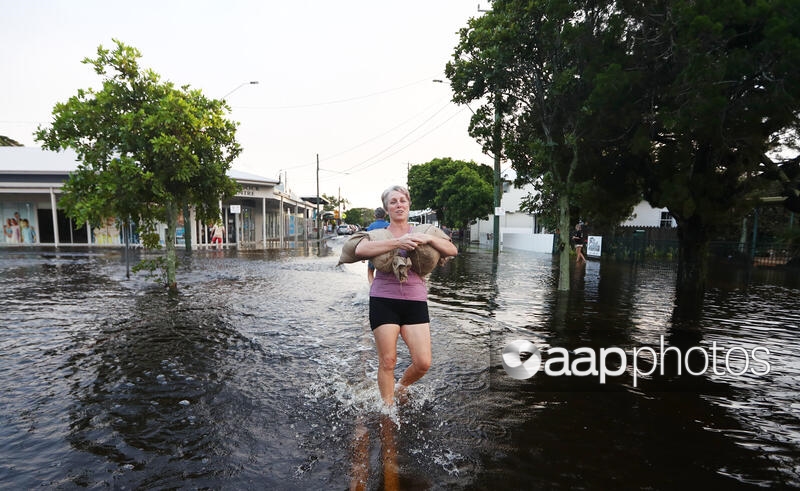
(350, 81)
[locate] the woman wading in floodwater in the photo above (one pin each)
(398, 306)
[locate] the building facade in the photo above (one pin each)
(521, 230)
(261, 215)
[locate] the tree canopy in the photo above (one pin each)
(681, 102)
(334, 203)
(720, 87)
(458, 191)
(542, 65)
(361, 216)
(146, 148)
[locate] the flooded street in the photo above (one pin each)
(260, 374)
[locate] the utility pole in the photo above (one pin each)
(497, 149)
(319, 228)
(498, 185)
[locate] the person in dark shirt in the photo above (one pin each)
(380, 222)
(578, 240)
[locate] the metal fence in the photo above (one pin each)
(765, 254)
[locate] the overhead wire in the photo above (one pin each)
(373, 138)
(338, 101)
(460, 110)
(401, 138)
(371, 161)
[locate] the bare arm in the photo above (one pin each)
(445, 247)
(371, 248)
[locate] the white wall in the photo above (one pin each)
(528, 242)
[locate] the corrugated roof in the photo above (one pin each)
(246, 176)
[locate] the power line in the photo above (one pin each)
(337, 101)
(401, 139)
(354, 147)
(460, 110)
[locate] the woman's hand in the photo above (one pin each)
(409, 242)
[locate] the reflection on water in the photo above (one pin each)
(261, 373)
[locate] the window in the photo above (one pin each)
(666, 219)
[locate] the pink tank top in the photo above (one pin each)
(386, 285)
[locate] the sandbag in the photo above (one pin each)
(426, 257)
(423, 259)
(348, 254)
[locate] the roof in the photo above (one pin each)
(35, 160)
(239, 175)
(315, 200)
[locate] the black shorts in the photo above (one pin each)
(393, 311)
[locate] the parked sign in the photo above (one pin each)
(595, 245)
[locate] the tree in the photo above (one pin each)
(720, 92)
(541, 64)
(146, 149)
(682, 102)
(465, 196)
(334, 203)
(361, 216)
(457, 191)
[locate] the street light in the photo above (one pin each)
(254, 82)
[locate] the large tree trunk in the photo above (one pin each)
(169, 239)
(563, 222)
(692, 267)
(564, 231)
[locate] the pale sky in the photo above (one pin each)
(350, 80)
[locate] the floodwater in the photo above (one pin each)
(260, 374)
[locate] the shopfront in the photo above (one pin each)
(261, 215)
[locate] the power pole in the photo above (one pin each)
(498, 148)
(498, 185)
(319, 230)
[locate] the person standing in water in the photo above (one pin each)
(578, 240)
(400, 308)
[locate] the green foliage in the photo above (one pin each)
(154, 269)
(334, 202)
(465, 196)
(361, 216)
(550, 68)
(682, 102)
(458, 191)
(718, 100)
(147, 148)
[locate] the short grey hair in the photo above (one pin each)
(396, 188)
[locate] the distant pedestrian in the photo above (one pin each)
(217, 234)
(577, 239)
(379, 223)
